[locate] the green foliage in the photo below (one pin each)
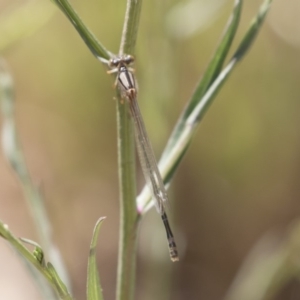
(205, 92)
(94, 291)
(47, 270)
(88, 37)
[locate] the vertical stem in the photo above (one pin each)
(128, 211)
(127, 181)
(131, 25)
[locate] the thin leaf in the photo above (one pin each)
(17, 245)
(59, 284)
(38, 252)
(13, 151)
(47, 292)
(48, 272)
(253, 30)
(210, 74)
(241, 51)
(131, 26)
(98, 50)
(94, 291)
(168, 165)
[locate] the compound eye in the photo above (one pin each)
(114, 62)
(129, 59)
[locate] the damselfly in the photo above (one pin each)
(127, 86)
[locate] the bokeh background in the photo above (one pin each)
(237, 185)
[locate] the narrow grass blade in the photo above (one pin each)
(14, 153)
(94, 291)
(98, 50)
(16, 243)
(46, 291)
(169, 163)
(30, 259)
(253, 30)
(131, 26)
(38, 252)
(59, 284)
(210, 74)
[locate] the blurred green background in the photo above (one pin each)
(238, 182)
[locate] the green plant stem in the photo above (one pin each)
(127, 181)
(98, 50)
(131, 25)
(48, 272)
(170, 161)
(14, 153)
(211, 73)
(128, 212)
(93, 286)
